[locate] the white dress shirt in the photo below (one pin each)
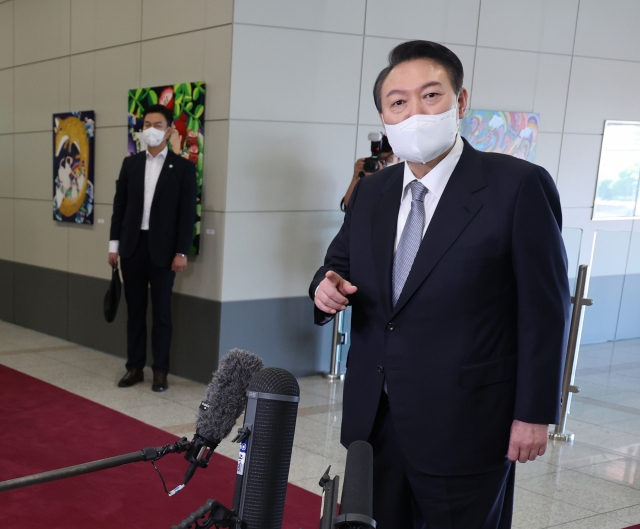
(152, 170)
(435, 181)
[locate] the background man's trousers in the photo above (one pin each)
(404, 497)
(138, 273)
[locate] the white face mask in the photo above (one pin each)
(153, 137)
(422, 138)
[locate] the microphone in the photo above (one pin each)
(356, 508)
(266, 442)
(224, 401)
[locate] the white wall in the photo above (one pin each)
(301, 108)
(289, 108)
(63, 55)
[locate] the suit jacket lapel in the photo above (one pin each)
(383, 231)
(456, 208)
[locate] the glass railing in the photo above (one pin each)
(614, 288)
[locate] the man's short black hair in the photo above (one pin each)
(159, 109)
(421, 49)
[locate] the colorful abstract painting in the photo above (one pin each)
(73, 160)
(513, 133)
(187, 102)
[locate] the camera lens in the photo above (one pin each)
(370, 165)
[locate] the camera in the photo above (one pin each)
(371, 164)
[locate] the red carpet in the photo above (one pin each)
(44, 428)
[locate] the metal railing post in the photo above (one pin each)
(573, 346)
(338, 341)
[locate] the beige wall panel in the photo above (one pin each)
(99, 24)
(100, 81)
(275, 166)
(6, 233)
(218, 12)
(111, 148)
(41, 90)
(273, 255)
(215, 180)
(173, 60)
(217, 71)
(601, 90)
(608, 29)
(6, 101)
(533, 82)
(157, 19)
(6, 35)
(42, 29)
(6, 167)
(578, 171)
(375, 58)
(544, 25)
(33, 154)
(319, 15)
(295, 75)
(39, 240)
(548, 152)
(452, 21)
(203, 276)
(89, 245)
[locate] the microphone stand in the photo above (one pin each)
(146, 454)
(218, 515)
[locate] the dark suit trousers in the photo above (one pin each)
(138, 273)
(404, 497)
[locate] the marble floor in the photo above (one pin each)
(593, 483)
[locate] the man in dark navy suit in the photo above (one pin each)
(455, 268)
(151, 229)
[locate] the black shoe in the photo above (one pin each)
(131, 377)
(159, 381)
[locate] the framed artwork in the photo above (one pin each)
(618, 172)
(187, 102)
(514, 133)
(73, 161)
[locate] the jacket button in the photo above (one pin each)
(391, 326)
(381, 369)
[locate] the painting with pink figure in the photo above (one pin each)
(513, 133)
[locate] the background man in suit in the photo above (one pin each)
(151, 229)
(455, 267)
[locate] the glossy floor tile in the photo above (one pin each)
(593, 483)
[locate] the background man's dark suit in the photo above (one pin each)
(476, 338)
(146, 258)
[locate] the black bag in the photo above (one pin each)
(112, 297)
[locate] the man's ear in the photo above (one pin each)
(463, 101)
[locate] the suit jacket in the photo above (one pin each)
(477, 336)
(173, 208)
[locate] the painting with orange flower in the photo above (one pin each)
(73, 160)
(187, 102)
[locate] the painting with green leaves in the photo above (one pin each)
(186, 101)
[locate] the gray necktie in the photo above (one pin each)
(409, 240)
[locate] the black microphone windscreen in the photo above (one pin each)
(226, 394)
(261, 483)
(357, 491)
